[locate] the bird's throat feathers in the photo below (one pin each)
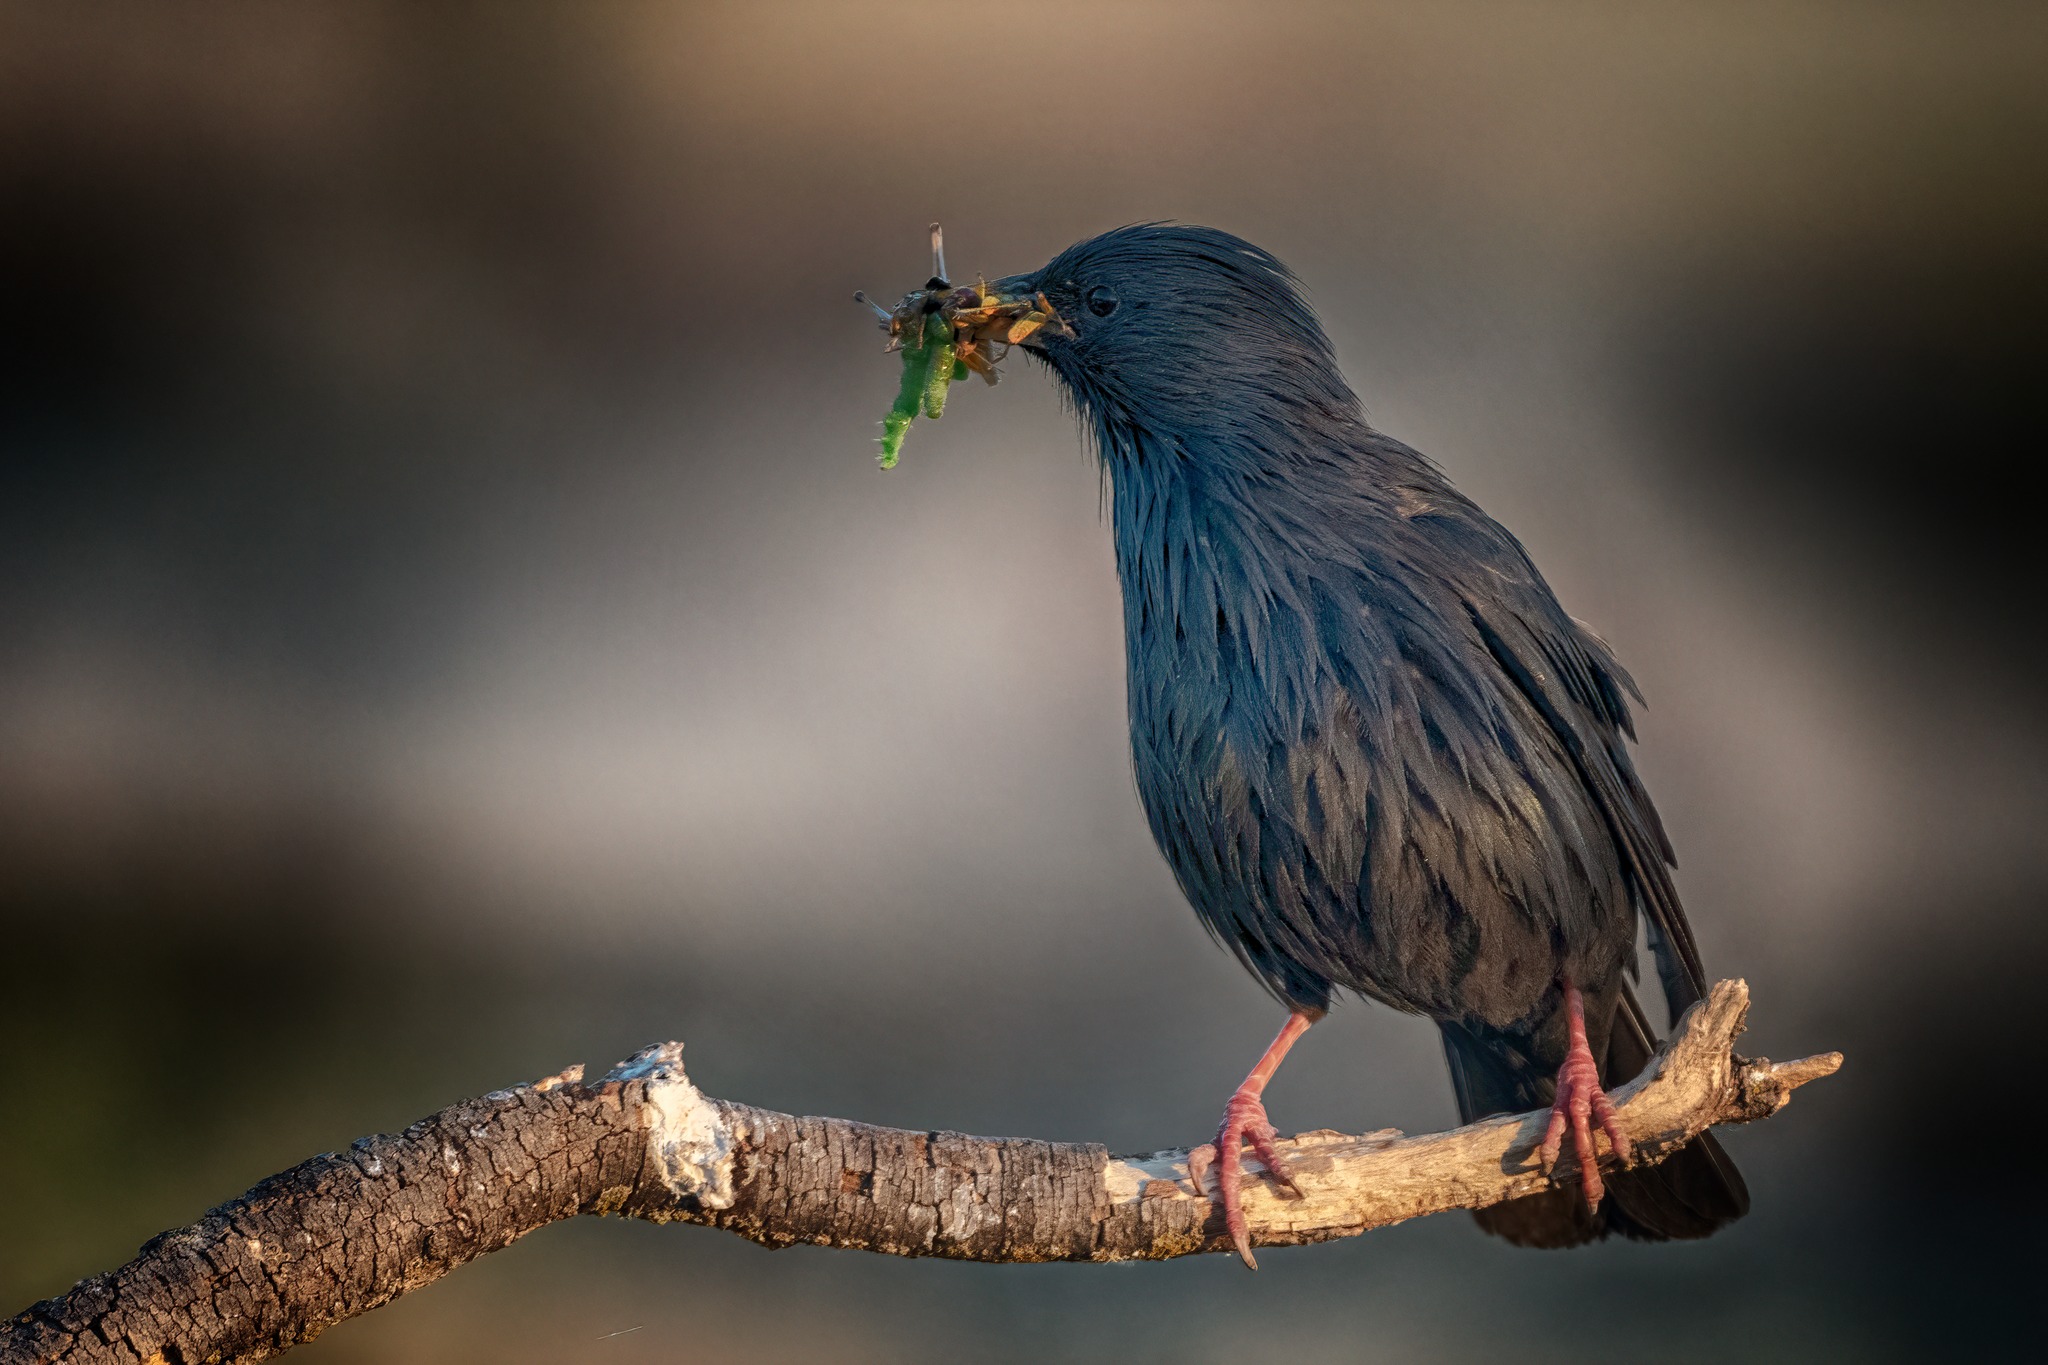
(1238, 549)
(1222, 563)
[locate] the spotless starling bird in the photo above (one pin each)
(1377, 753)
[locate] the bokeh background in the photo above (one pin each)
(451, 624)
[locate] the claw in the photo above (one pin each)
(1244, 1121)
(1580, 1103)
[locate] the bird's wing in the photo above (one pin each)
(1565, 676)
(1573, 681)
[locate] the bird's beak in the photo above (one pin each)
(1020, 295)
(1014, 288)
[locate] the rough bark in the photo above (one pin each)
(347, 1232)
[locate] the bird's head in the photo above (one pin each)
(1183, 331)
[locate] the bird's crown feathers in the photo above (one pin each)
(1179, 327)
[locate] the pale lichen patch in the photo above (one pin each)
(687, 1135)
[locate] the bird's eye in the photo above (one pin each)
(1101, 301)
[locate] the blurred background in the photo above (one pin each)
(452, 625)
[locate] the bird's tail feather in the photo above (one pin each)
(1689, 1194)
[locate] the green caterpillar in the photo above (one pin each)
(929, 365)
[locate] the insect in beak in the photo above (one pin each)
(946, 333)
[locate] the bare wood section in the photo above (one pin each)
(347, 1232)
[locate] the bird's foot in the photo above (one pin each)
(1580, 1103)
(1244, 1121)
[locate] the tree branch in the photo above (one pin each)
(344, 1233)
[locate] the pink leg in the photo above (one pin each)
(1244, 1120)
(1580, 1101)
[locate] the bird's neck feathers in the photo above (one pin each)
(1225, 537)
(1215, 563)
(1272, 479)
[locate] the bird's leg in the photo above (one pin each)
(1244, 1120)
(1580, 1101)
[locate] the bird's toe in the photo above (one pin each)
(1244, 1122)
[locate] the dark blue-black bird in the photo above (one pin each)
(1377, 753)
